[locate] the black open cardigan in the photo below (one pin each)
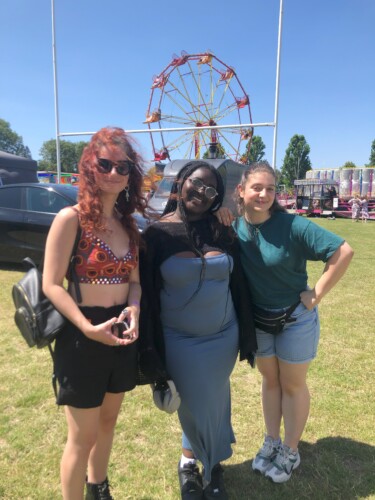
(162, 240)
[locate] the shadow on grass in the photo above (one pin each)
(334, 468)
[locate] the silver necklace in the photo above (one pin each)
(254, 229)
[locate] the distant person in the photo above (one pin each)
(94, 365)
(275, 248)
(364, 208)
(332, 192)
(355, 203)
(197, 312)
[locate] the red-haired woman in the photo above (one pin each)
(93, 365)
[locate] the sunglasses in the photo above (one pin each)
(209, 191)
(122, 167)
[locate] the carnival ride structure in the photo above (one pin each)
(198, 90)
(327, 192)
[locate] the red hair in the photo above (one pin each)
(90, 205)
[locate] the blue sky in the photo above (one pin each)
(108, 53)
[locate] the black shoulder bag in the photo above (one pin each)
(36, 317)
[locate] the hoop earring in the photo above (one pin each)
(127, 197)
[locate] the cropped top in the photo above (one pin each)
(96, 264)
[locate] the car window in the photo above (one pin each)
(164, 187)
(44, 200)
(10, 197)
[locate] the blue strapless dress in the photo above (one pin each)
(201, 341)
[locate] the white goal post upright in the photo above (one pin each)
(276, 116)
(273, 124)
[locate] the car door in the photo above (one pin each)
(11, 224)
(41, 206)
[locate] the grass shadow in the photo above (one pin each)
(333, 467)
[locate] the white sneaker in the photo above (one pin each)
(266, 454)
(283, 465)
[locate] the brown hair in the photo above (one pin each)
(90, 205)
(254, 168)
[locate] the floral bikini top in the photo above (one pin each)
(96, 264)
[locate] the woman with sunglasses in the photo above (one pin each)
(196, 317)
(95, 360)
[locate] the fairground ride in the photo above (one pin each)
(196, 91)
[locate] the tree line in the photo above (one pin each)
(296, 161)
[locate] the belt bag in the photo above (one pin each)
(273, 322)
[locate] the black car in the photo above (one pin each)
(26, 213)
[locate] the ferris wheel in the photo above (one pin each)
(198, 90)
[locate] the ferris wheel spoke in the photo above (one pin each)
(205, 141)
(223, 94)
(180, 141)
(194, 109)
(200, 96)
(177, 120)
(178, 105)
(212, 86)
(228, 111)
(223, 137)
(187, 97)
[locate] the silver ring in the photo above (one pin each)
(124, 311)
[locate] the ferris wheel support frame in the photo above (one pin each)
(174, 129)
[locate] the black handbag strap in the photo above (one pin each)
(72, 273)
(71, 270)
(54, 378)
(291, 310)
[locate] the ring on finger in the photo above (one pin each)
(117, 342)
(125, 311)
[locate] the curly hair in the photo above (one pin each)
(254, 168)
(90, 205)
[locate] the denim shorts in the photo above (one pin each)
(297, 343)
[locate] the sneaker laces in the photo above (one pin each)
(191, 472)
(268, 447)
(283, 457)
(190, 469)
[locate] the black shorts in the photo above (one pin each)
(86, 369)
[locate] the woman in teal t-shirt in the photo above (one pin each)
(275, 247)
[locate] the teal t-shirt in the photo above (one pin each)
(274, 257)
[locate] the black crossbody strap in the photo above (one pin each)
(71, 270)
(54, 378)
(291, 310)
(74, 277)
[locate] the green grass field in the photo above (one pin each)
(337, 448)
